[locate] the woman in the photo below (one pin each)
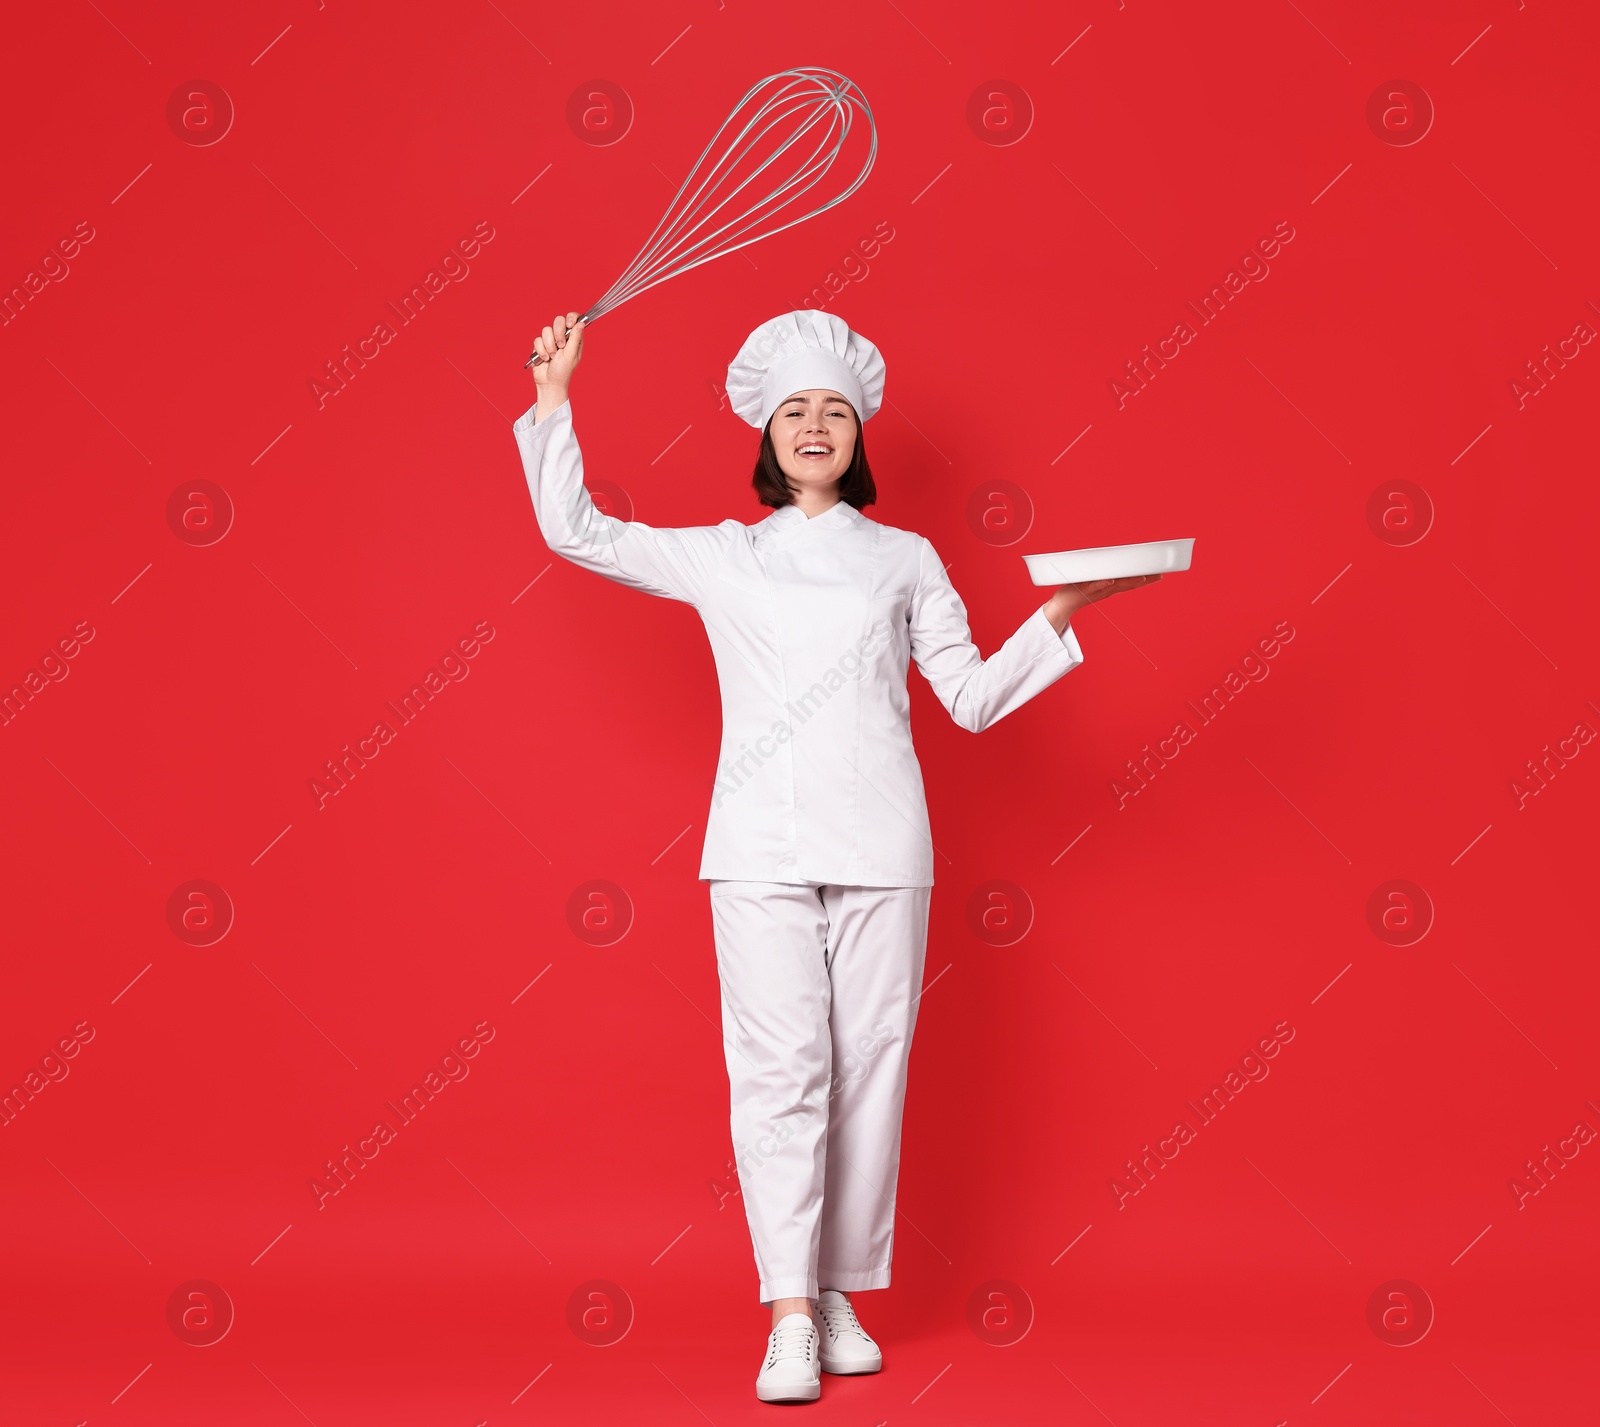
(817, 847)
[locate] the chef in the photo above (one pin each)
(817, 846)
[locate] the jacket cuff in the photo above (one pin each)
(527, 421)
(1064, 645)
(1070, 641)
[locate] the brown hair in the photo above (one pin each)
(856, 485)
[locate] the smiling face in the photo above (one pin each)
(814, 437)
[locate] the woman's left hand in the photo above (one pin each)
(1069, 599)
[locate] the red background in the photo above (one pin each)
(1230, 894)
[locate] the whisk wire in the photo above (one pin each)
(643, 273)
(752, 217)
(789, 106)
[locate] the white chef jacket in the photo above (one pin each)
(812, 621)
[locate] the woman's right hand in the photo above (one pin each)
(560, 346)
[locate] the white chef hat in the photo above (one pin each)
(798, 352)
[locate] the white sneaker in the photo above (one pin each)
(846, 1348)
(791, 1372)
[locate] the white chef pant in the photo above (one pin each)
(819, 999)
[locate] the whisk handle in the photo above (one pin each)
(536, 360)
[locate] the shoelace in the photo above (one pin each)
(790, 1340)
(841, 1319)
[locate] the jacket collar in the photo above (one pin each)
(836, 516)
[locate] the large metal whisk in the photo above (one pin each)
(777, 114)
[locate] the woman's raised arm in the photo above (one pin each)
(671, 563)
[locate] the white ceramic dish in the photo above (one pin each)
(1109, 562)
